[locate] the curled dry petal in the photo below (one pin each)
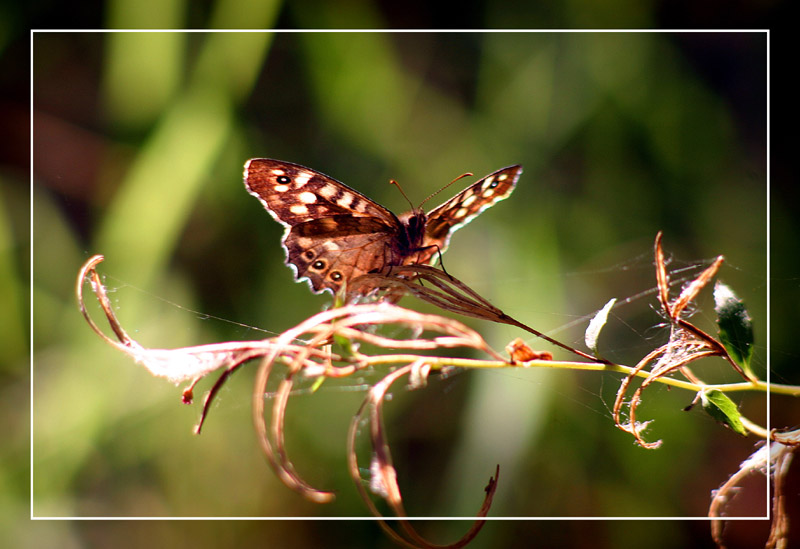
(519, 351)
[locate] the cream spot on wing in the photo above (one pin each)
(502, 177)
(469, 200)
(487, 183)
(281, 188)
(327, 191)
(346, 200)
(298, 209)
(461, 212)
(278, 172)
(359, 206)
(307, 197)
(302, 179)
(487, 193)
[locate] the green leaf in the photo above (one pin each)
(343, 346)
(596, 325)
(719, 406)
(735, 326)
(318, 383)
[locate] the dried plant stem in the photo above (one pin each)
(350, 322)
(384, 475)
(306, 352)
(451, 295)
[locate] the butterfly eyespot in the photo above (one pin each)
(336, 276)
(284, 180)
(309, 254)
(318, 265)
(493, 184)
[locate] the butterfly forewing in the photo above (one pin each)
(295, 194)
(335, 234)
(447, 218)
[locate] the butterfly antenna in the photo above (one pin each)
(396, 184)
(462, 176)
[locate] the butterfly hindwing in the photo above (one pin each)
(329, 258)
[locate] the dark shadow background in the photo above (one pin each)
(139, 142)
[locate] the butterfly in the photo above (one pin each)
(335, 234)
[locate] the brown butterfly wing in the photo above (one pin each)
(333, 233)
(447, 218)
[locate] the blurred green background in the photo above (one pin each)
(139, 143)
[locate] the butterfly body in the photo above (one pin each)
(334, 233)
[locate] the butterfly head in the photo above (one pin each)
(413, 223)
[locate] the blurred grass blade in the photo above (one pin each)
(156, 197)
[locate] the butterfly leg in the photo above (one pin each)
(438, 252)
